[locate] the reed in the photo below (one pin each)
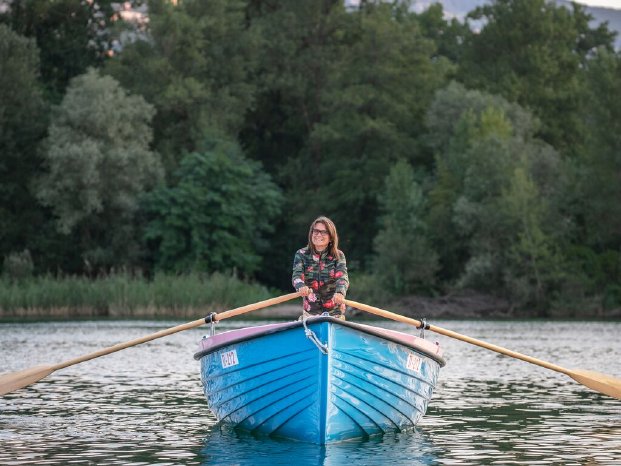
(122, 295)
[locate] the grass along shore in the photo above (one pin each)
(123, 296)
(190, 296)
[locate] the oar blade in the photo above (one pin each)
(12, 381)
(602, 383)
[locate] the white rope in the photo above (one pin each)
(312, 337)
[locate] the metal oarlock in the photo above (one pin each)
(423, 326)
(211, 319)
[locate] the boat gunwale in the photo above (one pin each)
(380, 333)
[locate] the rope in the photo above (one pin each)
(312, 337)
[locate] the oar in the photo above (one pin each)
(602, 383)
(12, 381)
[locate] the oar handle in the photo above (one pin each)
(458, 336)
(178, 328)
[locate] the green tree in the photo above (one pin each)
(215, 218)
(71, 34)
(343, 91)
(195, 70)
(300, 47)
(98, 165)
(404, 260)
(456, 119)
(23, 119)
(601, 166)
(447, 35)
(532, 52)
(595, 252)
(534, 261)
(509, 228)
(496, 195)
(373, 107)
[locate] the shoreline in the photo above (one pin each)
(413, 307)
(462, 305)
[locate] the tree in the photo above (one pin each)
(216, 216)
(601, 176)
(194, 69)
(404, 260)
(371, 111)
(457, 119)
(71, 34)
(532, 52)
(299, 50)
(534, 261)
(447, 35)
(496, 196)
(596, 249)
(343, 93)
(98, 165)
(23, 119)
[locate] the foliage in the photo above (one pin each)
(215, 217)
(533, 257)
(366, 288)
(531, 52)
(506, 180)
(457, 119)
(195, 70)
(71, 34)
(491, 197)
(23, 120)
(404, 259)
(352, 88)
(447, 35)
(98, 165)
(600, 176)
(121, 294)
(17, 266)
(301, 47)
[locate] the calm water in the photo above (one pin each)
(144, 405)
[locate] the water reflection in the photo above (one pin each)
(225, 446)
(144, 405)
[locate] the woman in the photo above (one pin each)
(320, 271)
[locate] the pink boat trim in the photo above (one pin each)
(223, 338)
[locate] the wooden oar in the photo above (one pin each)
(602, 383)
(12, 381)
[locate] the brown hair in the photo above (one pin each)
(333, 245)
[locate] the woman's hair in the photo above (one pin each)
(333, 245)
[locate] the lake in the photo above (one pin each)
(144, 405)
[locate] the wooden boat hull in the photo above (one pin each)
(273, 380)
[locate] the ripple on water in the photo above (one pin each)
(144, 405)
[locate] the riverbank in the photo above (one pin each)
(190, 296)
(460, 305)
(121, 295)
(464, 305)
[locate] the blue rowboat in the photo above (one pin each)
(321, 381)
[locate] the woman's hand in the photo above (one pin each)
(338, 298)
(304, 291)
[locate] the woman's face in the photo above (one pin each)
(321, 237)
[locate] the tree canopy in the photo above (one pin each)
(23, 122)
(450, 158)
(98, 163)
(216, 216)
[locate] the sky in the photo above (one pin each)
(606, 3)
